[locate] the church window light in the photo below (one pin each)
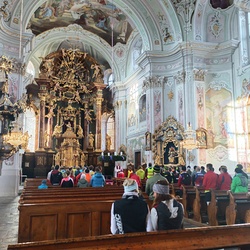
(110, 79)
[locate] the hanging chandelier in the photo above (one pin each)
(16, 138)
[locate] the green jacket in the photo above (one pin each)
(239, 184)
(150, 183)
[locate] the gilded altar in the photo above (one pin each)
(70, 92)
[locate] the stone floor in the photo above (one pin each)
(9, 216)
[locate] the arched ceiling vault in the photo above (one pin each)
(149, 20)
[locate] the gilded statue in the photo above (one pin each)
(91, 140)
(80, 131)
(97, 71)
(46, 138)
(57, 129)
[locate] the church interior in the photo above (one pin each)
(95, 82)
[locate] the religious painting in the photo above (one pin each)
(220, 116)
(99, 17)
(142, 108)
(201, 138)
(148, 138)
(171, 154)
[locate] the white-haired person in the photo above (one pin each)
(131, 213)
(166, 213)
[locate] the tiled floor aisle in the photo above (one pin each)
(8, 221)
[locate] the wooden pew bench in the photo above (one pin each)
(217, 237)
(238, 210)
(200, 205)
(71, 190)
(216, 209)
(188, 197)
(62, 220)
(73, 198)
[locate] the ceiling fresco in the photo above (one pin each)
(100, 17)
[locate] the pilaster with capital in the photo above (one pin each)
(153, 87)
(42, 83)
(98, 102)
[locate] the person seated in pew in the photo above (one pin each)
(140, 172)
(56, 176)
(135, 177)
(43, 185)
(184, 177)
(67, 180)
(97, 180)
(130, 214)
(225, 179)
(166, 213)
(239, 182)
(209, 182)
(82, 183)
(199, 176)
(241, 168)
(167, 173)
(152, 180)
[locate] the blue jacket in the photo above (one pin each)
(97, 180)
(42, 186)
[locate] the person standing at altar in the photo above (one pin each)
(117, 169)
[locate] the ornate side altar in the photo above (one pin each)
(167, 147)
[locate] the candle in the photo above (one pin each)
(108, 154)
(102, 154)
(121, 153)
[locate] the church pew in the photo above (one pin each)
(71, 190)
(62, 198)
(61, 220)
(216, 209)
(238, 210)
(200, 205)
(188, 197)
(217, 237)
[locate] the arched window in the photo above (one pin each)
(110, 79)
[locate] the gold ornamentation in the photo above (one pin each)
(170, 95)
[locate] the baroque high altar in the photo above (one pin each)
(71, 94)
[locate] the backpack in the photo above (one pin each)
(186, 179)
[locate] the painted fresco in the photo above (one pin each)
(220, 117)
(96, 16)
(157, 108)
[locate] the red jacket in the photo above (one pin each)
(210, 180)
(224, 181)
(136, 178)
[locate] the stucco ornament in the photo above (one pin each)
(215, 25)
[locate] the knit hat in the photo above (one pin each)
(157, 169)
(129, 188)
(239, 166)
